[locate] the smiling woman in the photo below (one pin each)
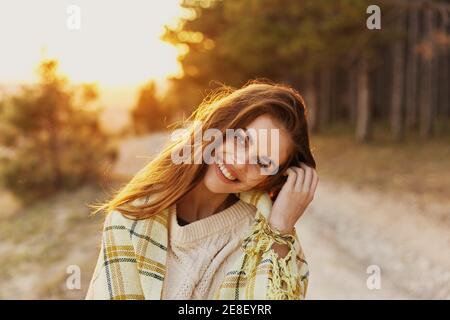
(226, 206)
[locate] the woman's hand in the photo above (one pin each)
(294, 197)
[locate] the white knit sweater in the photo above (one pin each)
(200, 253)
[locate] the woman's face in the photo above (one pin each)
(249, 169)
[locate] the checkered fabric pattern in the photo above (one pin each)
(131, 263)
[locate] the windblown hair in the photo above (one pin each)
(225, 108)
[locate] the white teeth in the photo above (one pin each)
(225, 172)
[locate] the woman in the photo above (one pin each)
(220, 229)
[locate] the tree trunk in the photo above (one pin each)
(411, 69)
(363, 117)
(376, 87)
(426, 86)
(311, 101)
(325, 97)
(397, 85)
(352, 94)
(333, 97)
(443, 81)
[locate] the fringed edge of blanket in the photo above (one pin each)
(284, 282)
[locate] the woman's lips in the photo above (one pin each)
(222, 177)
(231, 170)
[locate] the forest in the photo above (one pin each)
(395, 78)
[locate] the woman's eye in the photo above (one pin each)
(261, 164)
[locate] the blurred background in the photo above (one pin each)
(88, 90)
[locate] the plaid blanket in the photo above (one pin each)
(131, 263)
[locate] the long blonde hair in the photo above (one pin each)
(225, 108)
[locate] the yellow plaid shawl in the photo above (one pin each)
(131, 263)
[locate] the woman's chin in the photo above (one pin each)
(218, 187)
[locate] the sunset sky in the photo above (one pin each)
(118, 44)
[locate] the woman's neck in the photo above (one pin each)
(200, 203)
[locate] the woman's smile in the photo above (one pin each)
(224, 174)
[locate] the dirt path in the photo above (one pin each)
(344, 231)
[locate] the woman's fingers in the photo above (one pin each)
(308, 177)
(300, 179)
(315, 181)
(292, 176)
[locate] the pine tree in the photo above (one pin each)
(53, 131)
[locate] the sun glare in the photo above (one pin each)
(117, 43)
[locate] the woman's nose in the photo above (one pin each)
(235, 154)
(241, 156)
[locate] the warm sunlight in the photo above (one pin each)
(117, 43)
(116, 163)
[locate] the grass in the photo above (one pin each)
(47, 236)
(414, 166)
